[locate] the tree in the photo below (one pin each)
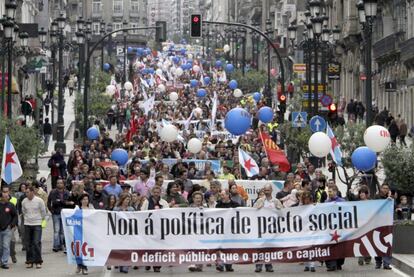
(99, 102)
(399, 168)
(252, 81)
(350, 137)
(295, 141)
(26, 140)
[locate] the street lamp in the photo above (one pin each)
(24, 37)
(124, 26)
(315, 7)
(367, 11)
(102, 32)
(269, 63)
(11, 7)
(42, 36)
(60, 144)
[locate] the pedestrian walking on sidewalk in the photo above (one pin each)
(34, 212)
(47, 133)
(8, 221)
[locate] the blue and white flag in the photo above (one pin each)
(10, 165)
(248, 163)
(336, 153)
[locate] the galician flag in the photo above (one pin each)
(248, 163)
(10, 165)
(336, 153)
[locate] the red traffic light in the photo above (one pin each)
(282, 98)
(332, 107)
(196, 19)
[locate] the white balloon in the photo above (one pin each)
(179, 71)
(194, 145)
(237, 93)
(159, 64)
(144, 60)
(196, 68)
(165, 49)
(226, 48)
(161, 88)
(169, 133)
(319, 144)
(158, 71)
(377, 138)
(190, 56)
(173, 96)
(128, 85)
(165, 67)
(198, 112)
(110, 89)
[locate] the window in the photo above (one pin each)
(134, 25)
(134, 6)
(118, 6)
(95, 28)
(117, 26)
(96, 6)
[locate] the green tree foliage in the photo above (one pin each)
(350, 137)
(26, 140)
(99, 102)
(295, 140)
(399, 168)
(251, 82)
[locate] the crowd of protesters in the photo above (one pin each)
(88, 179)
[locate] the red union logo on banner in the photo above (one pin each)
(81, 250)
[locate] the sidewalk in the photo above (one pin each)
(404, 262)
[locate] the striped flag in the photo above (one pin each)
(248, 163)
(10, 166)
(336, 153)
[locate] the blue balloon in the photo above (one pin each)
(151, 70)
(207, 80)
(188, 66)
(140, 51)
(107, 66)
(190, 61)
(176, 59)
(120, 156)
(184, 66)
(92, 133)
(201, 92)
(364, 159)
(265, 114)
(257, 96)
(233, 84)
(237, 121)
(182, 51)
(229, 68)
(218, 63)
(193, 83)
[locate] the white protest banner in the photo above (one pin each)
(243, 235)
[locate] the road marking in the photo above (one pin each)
(399, 272)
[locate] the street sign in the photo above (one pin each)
(326, 100)
(317, 124)
(390, 86)
(299, 119)
(299, 68)
(306, 87)
(334, 71)
(306, 95)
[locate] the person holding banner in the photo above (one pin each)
(271, 203)
(197, 199)
(154, 202)
(84, 204)
(306, 199)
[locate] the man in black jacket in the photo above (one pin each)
(225, 202)
(8, 220)
(56, 201)
(99, 197)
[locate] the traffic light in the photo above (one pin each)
(282, 108)
(160, 31)
(332, 107)
(196, 24)
(333, 114)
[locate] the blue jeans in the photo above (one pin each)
(58, 236)
(5, 238)
(385, 261)
(33, 236)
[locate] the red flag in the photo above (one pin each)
(132, 128)
(273, 152)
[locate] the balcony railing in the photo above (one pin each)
(385, 46)
(407, 50)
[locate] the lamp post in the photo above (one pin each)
(317, 30)
(8, 30)
(109, 44)
(53, 47)
(269, 63)
(243, 38)
(81, 42)
(60, 144)
(367, 11)
(125, 26)
(102, 32)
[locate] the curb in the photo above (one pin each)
(403, 263)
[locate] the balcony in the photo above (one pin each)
(134, 13)
(385, 46)
(118, 13)
(350, 27)
(407, 50)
